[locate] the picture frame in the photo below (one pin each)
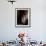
(22, 17)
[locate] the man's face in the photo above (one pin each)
(24, 18)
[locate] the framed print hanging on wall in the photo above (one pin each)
(22, 17)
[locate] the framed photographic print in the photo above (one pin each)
(22, 17)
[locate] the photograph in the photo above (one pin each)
(22, 17)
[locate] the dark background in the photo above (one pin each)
(20, 14)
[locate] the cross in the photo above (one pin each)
(11, 1)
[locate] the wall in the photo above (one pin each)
(8, 31)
